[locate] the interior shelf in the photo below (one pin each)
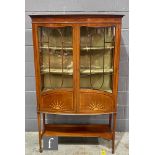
(96, 71)
(82, 71)
(79, 130)
(105, 90)
(56, 48)
(97, 48)
(83, 48)
(58, 71)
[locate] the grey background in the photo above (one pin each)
(77, 7)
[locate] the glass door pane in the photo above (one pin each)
(96, 57)
(56, 53)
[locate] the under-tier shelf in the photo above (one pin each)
(70, 71)
(70, 48)
(84, 130)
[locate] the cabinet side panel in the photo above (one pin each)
(36, 63)
(116, 63)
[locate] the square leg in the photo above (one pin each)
(113, 130)
(39, 131)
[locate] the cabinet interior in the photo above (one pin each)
(96, 57)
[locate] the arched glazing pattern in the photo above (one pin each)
(96, 57)
(56, 52)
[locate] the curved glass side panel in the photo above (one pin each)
(96, 57)
(56, 52)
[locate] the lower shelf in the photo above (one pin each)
(95, 130)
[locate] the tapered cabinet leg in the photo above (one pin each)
(113, 146)
(114, 128)
(39, 129)
(110, 118)
(44, 121)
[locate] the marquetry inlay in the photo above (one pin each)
(56, 105)
(94, 105)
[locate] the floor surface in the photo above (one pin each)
(79, 146)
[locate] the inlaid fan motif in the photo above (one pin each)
(94, 105)
(56, 105)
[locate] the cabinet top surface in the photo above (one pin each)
(75, 15)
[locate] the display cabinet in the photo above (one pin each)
(76, 70)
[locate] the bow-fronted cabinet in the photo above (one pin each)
(76, 71)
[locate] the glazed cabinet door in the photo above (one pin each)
(97, 47)
(55, 47)
(56, 57)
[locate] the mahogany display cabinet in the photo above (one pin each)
(76, 71)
